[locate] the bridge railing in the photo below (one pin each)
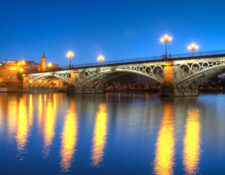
(195, 55)
(133, 60)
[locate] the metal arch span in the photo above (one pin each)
(153, 71)
(64, 75)
(188, 73)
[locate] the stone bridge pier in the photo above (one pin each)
(170, 87)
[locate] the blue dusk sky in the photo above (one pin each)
(118, 29)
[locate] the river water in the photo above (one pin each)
(111, 134)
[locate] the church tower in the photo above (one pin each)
(42, 66)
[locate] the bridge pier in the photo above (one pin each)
(169, 87)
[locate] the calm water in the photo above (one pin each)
(111, 134)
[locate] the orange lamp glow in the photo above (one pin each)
(50, 65)
(166, 38)
(193, 46)
(101, 58)
(69, 54)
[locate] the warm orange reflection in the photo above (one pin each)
(69, 137)
(12, 116)
(54, 102)
(99, 138)
(191, 150)
(40, 110)
(22, 125)
(49, 124)
(45, 97)
(164, 154)
(30, 110)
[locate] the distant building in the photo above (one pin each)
(31, 66)
(11, 71)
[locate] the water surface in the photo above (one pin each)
(111, 134)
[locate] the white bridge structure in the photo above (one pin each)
(179, 75)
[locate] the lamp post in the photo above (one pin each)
(165, 39)
(69, 55)
(100, 58)
(193, 47)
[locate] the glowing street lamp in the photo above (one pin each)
(101, 58)
(193, 47)
(49, 65)
(165, 39)
(69, 55)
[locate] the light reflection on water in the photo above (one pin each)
(164, 154)
(48, 123)
(40, 109)
(99, 137)
(22, 125)
(192, 142)
(69, 137)
(30, 110)
(12, 116)
(111, 134)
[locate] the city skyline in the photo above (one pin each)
(115, 29)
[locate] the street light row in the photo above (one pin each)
(164, 39)
(70, 54)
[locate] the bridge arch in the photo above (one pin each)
(62, 75)
(99, 78)
(155, 74)
(50, 76)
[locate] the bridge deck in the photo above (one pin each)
(198, 55)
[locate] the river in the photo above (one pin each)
(111, 134)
